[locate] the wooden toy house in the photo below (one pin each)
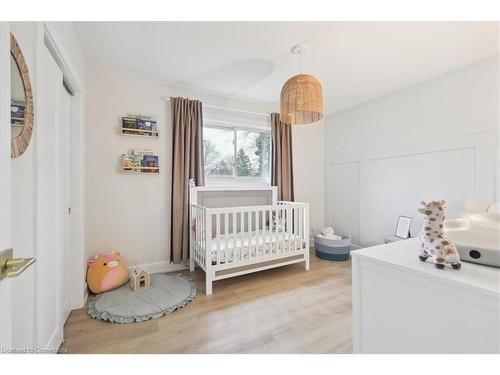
(139, 279)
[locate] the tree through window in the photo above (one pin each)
(233, 153)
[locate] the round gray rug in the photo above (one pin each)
(166, 294)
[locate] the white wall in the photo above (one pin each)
(433, 140)
(308, 148)
(131, 213)
(126, 213)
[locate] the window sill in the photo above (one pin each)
(215, 182)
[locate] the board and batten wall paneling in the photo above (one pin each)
(435, 140)
(395, 185)
(343, 202)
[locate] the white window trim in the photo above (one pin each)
(236, 180)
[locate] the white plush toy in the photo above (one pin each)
(329, 234)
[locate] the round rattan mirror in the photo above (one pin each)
(21, 102)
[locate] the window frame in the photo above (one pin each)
(215, 180)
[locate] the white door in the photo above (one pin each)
(64, 157)
(17, 327)
(50, 225)
(35, 305)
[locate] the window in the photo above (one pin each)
(232, 153)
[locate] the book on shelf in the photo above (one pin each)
(142, 116)
(138, 124)
(141, 160)
(150, 161)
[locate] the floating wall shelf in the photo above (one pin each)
(142, 170)
(141, 133)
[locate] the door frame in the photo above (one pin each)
(48, 37)
(5, 184)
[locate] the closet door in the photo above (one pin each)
(64, 197)
(49, 228)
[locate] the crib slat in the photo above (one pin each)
(217, 235)
(270, 232)
(264, 232)
(278, 226)
(295, 216)
(257, 233)
(249, 235)
(198, 231)
(226, 234)
(235, 226)
(282, 233)
(301, 212)
(288, 228)
(273, 231)
(246, 234)
(241, 233)
(252, 252)
(203, 236)
(284, 248)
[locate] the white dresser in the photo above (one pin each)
(403, 305)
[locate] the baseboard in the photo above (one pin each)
(162, 267)
(54, 343)
(85, 293)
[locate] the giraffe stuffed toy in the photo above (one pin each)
(434, 243)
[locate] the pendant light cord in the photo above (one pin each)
(300, 62)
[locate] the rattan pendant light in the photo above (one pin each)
(301, 99)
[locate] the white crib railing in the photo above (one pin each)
(223, 239)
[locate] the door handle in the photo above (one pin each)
(13, 267)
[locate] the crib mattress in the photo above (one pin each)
(248, 246)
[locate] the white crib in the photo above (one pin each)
(233, 241)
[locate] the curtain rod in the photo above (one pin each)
(267, 114)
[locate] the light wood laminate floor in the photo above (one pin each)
(282, 310)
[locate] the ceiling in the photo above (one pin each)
(355, 61)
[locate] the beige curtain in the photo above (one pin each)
(282, 168)
(187, 162)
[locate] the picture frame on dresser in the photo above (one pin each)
(403, 227)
